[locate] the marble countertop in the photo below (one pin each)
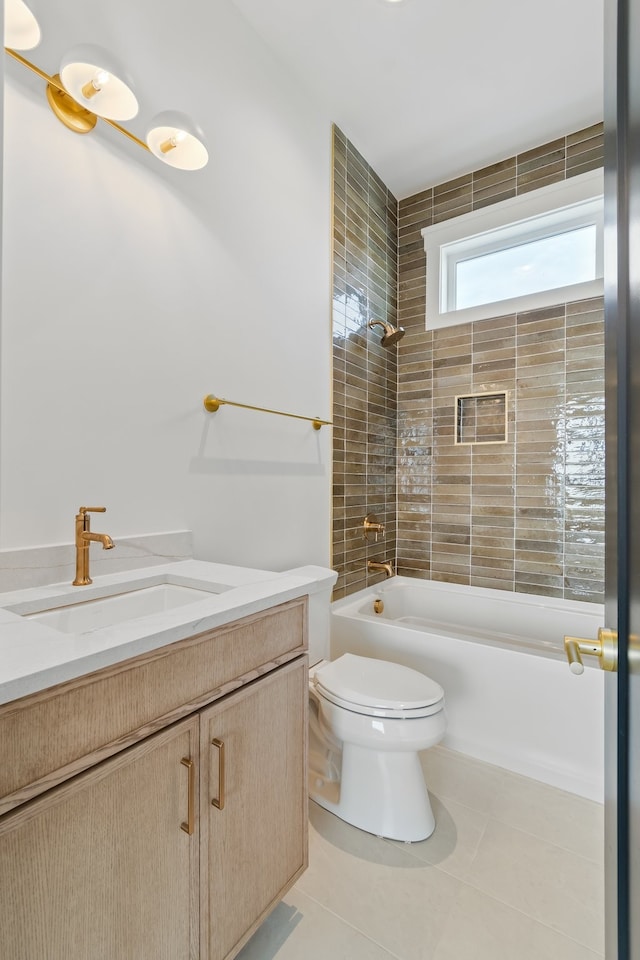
(34, 656)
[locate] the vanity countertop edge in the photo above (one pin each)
(34, 657)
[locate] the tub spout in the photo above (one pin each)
(375, 566)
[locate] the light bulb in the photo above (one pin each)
(95, 85)
(87, 71)
(172, 142)
(175, 139)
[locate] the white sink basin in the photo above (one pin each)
(108, 611)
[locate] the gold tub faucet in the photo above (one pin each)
(375, 566)
(84, 536)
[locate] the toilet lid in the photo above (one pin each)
(377, 684)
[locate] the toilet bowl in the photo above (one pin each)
(368, 721)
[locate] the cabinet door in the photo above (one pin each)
(100, 868)
(254, 805)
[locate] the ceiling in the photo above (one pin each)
(425, 89)
(430, 89)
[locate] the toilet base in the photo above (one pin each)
(381, 792)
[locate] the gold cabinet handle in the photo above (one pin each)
(219, 802)
(605, 648)
(189, 826)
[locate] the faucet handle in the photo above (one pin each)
(370, 524)
(84, 510)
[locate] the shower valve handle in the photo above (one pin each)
(371, 525)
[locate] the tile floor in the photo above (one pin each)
(513, 870)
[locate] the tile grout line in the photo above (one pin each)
(471, 886)
(352, 926)
(522, 913)
(466, 881)
(462, 882)
(551, 843)
(406, 847)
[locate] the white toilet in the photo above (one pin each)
(368, 719)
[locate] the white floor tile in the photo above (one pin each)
(554, 815)
(546, 882)
(513, 870)
(452, 776)
(300, 929)
(480, 928)
(454, 843)
(401, 902)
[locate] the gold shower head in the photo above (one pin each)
(391, 334)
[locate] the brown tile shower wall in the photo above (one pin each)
(526, 515)
(365, 257)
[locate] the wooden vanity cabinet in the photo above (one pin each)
(99, 867)
(253, 806)
(131, 860)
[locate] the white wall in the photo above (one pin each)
(132, 290)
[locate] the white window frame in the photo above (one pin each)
(551, 209)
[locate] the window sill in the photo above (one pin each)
(504, 308)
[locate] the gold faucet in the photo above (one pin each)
(83, 538)
(370, 524)
(375, 566)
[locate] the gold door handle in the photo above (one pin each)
(219, 802)
(605, 648)
(189, 827)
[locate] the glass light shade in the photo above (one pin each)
(175, 139)
(95, 80)
(21, 29)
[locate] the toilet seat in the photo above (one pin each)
(378, 688)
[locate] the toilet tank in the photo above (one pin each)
(321, 581)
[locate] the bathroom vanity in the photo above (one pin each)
(156, 807)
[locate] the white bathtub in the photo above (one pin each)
(510, 697)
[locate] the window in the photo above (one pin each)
(542, 248)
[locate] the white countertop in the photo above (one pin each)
(34, 656)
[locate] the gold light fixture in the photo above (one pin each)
(95, 80)
(21, 29)
(92, 84)
(74, 116)
(175, 139)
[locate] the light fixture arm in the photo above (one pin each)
(31, 66)
(127, 133)
(55, 83)
(173, 136)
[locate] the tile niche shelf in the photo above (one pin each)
(481, 418)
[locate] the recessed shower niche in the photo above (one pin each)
(481, 418)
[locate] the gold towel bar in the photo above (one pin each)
(212, 403)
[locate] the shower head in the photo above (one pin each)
(391, 334)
